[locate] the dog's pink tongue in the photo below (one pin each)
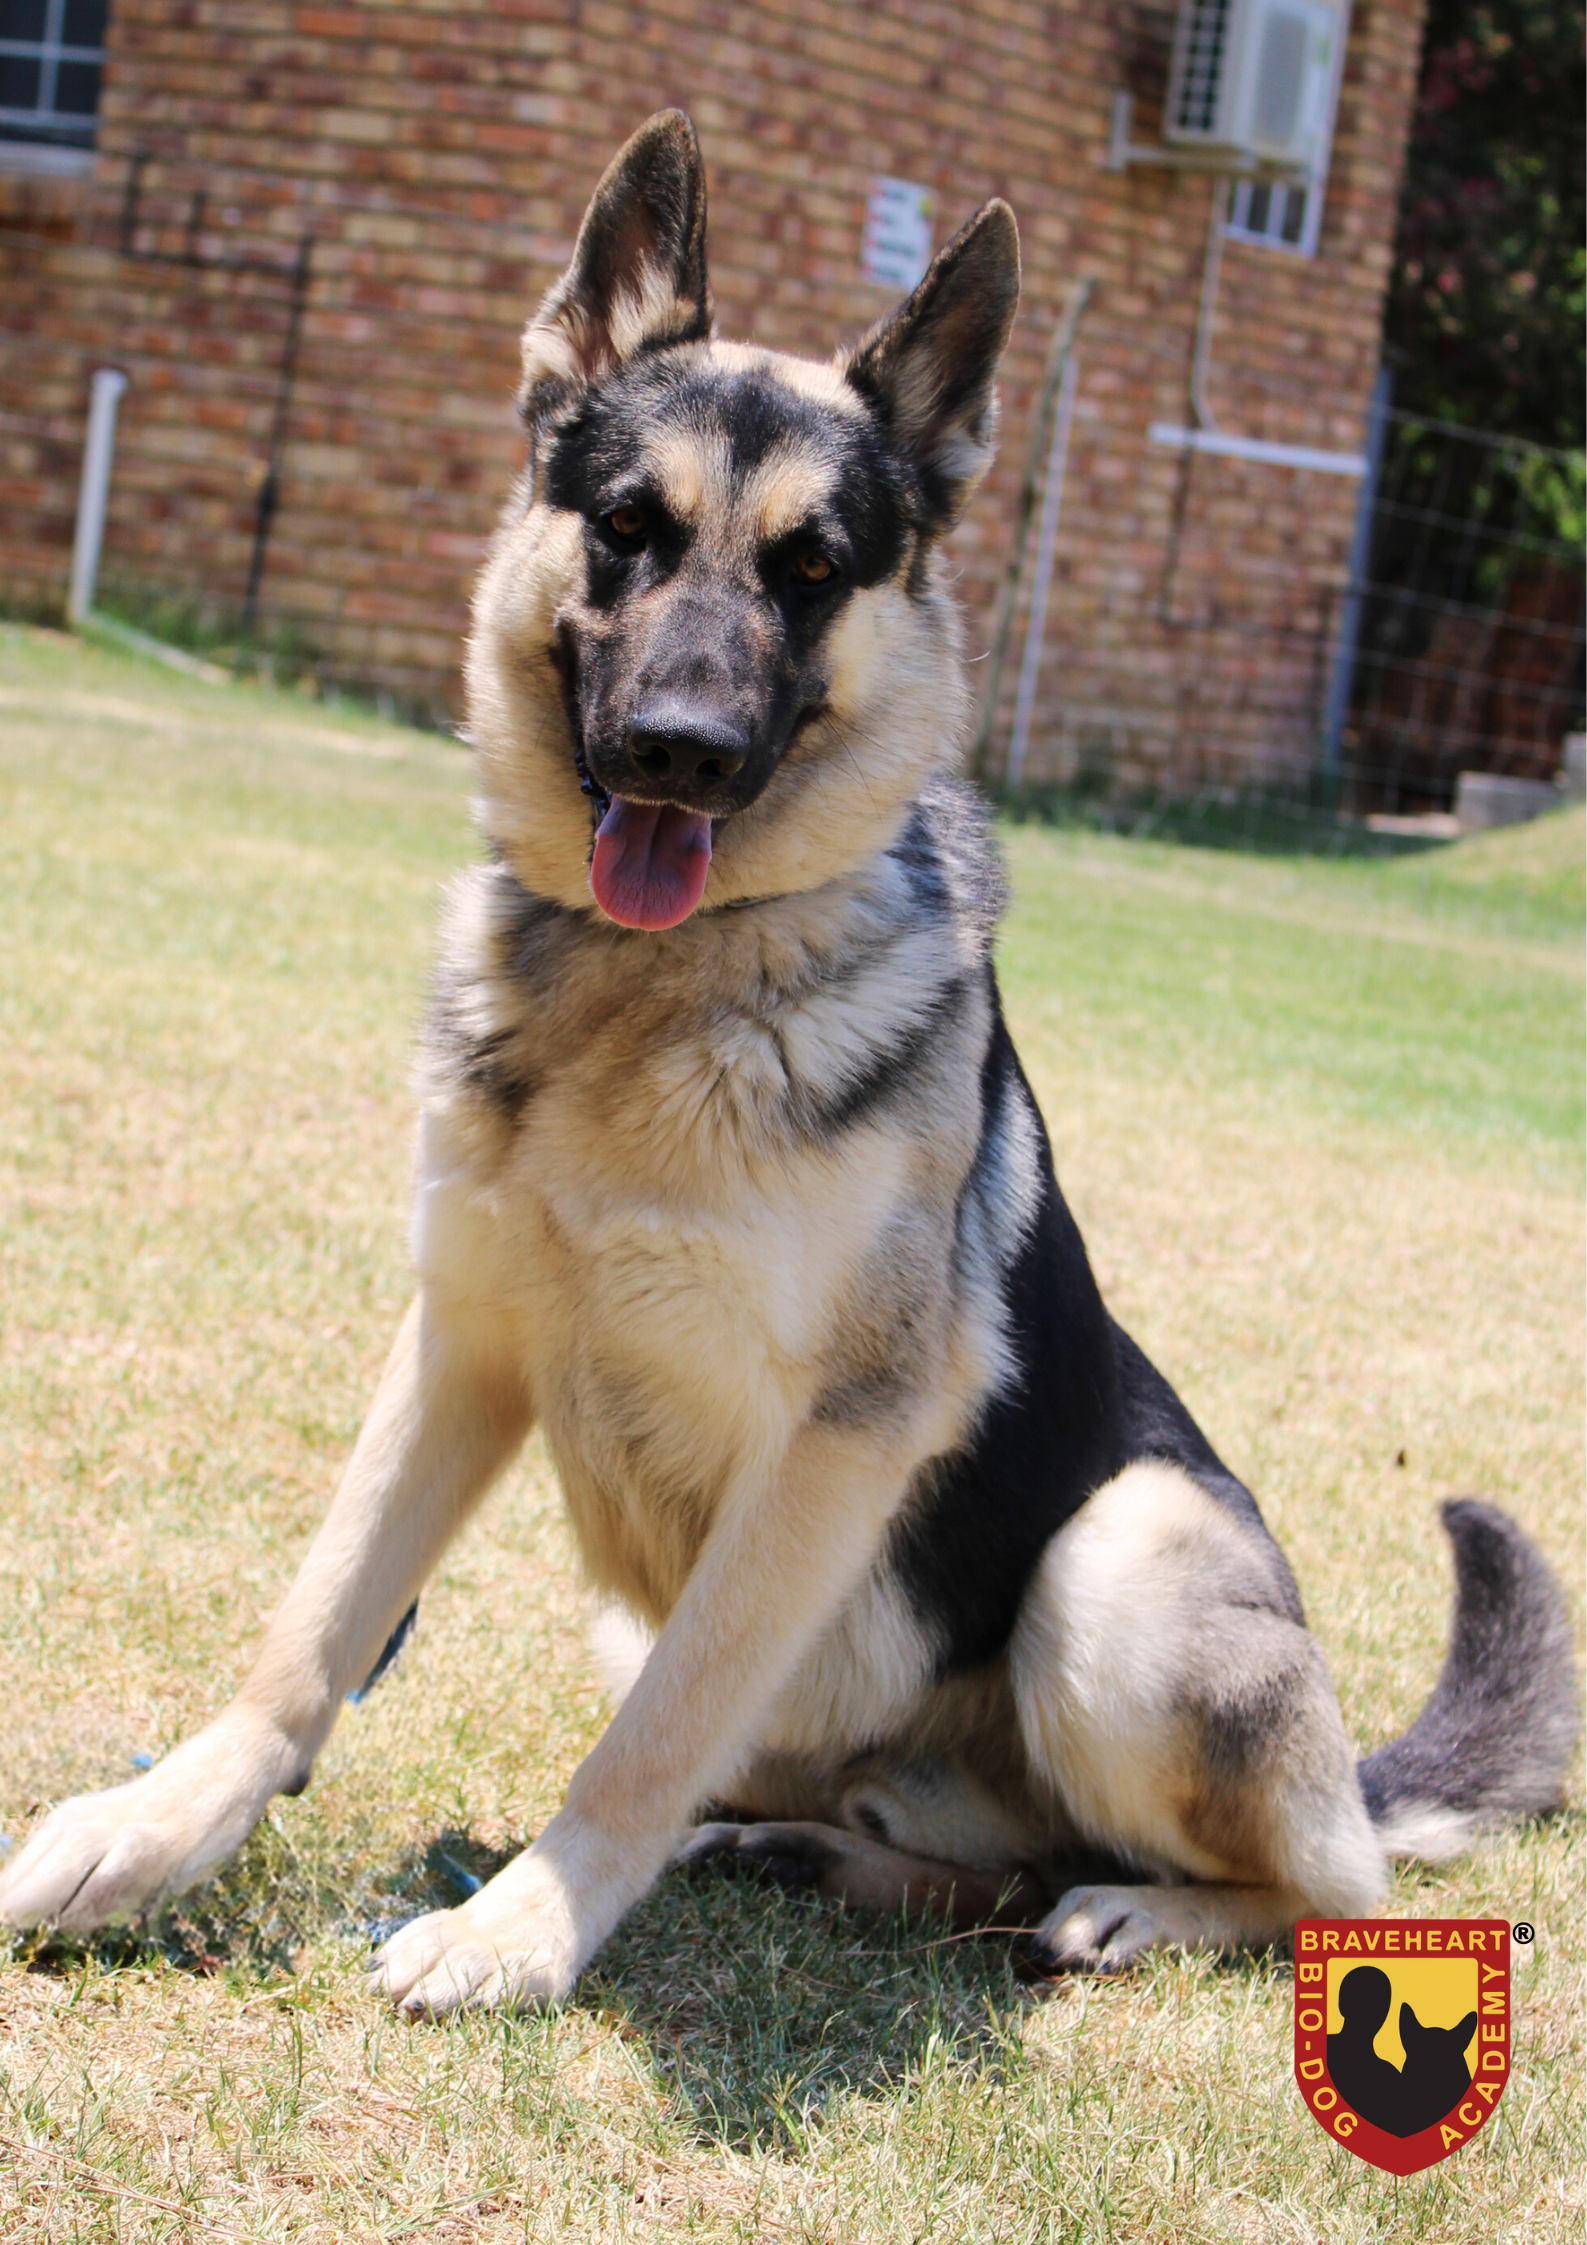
(650, 863)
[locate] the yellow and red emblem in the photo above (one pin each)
(1402, 2032)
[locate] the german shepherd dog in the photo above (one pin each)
(729, 1177)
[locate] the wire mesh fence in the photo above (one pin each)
(1470, 646)
(1340, 717)
(1185, 669)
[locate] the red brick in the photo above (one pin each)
(440, 151)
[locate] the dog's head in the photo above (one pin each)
(716, 589)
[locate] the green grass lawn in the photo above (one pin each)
(1322, 1124)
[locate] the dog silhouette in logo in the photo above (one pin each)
(1402, 2101)
(1435, 2067)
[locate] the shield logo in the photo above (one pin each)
(1402, 2032)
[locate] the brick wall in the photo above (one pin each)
(440, 155)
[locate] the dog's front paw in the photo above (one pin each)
(91, 1859)
(1097, 1929)
(513, 1944)
(110, 1855)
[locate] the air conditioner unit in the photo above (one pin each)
(1255, 78)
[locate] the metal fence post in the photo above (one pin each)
(104, 396)
(1360, 560)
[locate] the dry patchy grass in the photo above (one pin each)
(1322, 1126)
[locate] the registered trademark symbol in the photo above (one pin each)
(1522, 1933)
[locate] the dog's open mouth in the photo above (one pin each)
(650, 863)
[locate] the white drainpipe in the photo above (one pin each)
(103, 398)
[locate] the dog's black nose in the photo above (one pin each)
(675, 746)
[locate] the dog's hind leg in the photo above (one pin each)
(886, 1831)
(867, 1873)
(1177, 1713)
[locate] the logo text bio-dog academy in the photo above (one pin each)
(1402, 2032)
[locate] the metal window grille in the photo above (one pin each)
(52, 53)
(1271, 213)
(1202, 82)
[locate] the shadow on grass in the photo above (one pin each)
(750, 2008)
(756, 2008)
(258, 1912)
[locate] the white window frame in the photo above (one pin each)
(73, 149)
(1270, 235)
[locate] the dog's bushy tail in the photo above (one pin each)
(1494, 1739)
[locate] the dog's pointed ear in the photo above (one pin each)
(1462, 2034)
(638, 274)
(929, 368)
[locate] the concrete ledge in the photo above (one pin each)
(1416, 826)
(1487, 799)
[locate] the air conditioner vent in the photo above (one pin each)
(1207, 23)
(1256, 78)
(1280, 73)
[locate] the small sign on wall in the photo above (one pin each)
(896, 248)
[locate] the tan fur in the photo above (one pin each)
(820, 380)
(742, 1334)
(693, 475)
(1150, 1601)
(448, 1414)
(897, 693)
(562, 345)
(1150, 1624)
(784, 491)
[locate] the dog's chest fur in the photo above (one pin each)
(710, 1185)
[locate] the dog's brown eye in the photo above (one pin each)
(626, 522)
(813, 567)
